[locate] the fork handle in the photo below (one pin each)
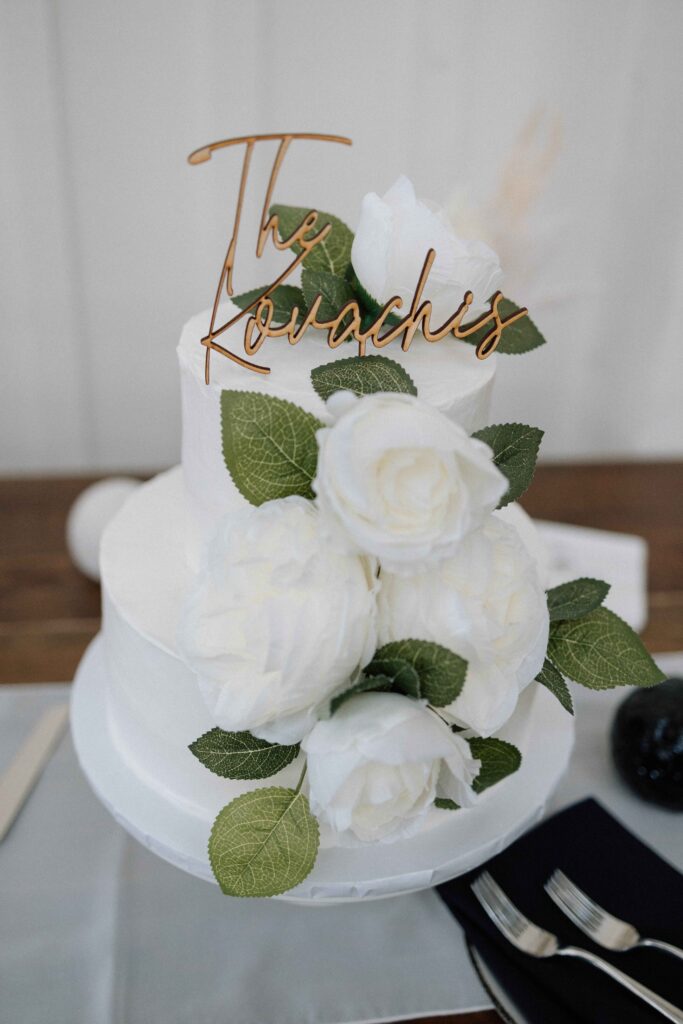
(665, 946)
(666, 1008)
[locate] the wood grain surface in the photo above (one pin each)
(49, 612)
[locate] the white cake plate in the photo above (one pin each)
(452, 842)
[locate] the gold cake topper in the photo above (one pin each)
(348, 323)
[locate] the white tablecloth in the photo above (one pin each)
(95, 929)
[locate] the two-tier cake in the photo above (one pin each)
(327, 629)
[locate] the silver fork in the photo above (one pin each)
(603, 928)
(535, 941)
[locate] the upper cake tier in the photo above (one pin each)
(448, 375)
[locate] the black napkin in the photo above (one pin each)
(620, 873)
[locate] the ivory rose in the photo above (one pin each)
(373, 767)
(399, 480)
(393, 237)
(277, 620)
(487, 604)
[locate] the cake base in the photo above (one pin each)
(458, 842)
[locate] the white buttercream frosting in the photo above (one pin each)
(154, 706)
(447, 374)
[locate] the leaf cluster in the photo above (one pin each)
(591, 645)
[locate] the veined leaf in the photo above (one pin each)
(600, 651)
(441, 673)
(521, 336)
(498, 760)
(553, 681)
(263, 843)
(239, 755)
(363, 375)
(333, 254)
(269, 445)
(575, 599)
(335, 292)
(284, 298)
(515, 450)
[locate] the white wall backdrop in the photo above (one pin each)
(110, 240)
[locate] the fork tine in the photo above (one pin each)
(496, 899)
(500, 906)
(583, 902)
(574, 903)
(517, 929)
(504, 900)
(566, 905)
(491, 907)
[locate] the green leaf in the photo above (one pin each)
(553, 681)
(444, 804)
(263, 843)
(333, 254)
(335, 292)
(269, 445)
(521, 336)
(363, 375)
(381, 675)
(398, 672)
(515, 450)
(367, 684)
(575, 599)
(239, 755)
(441, 673)
(498, 760)
(600, 652)
(284, 298)
(371, 307)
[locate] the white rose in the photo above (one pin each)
(373, 767)
(277, 620)
(486, 604)
(399, 480)
(393, 237)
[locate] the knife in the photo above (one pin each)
(23, 772)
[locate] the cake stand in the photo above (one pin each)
(451, 843)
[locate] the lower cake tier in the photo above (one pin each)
(153, 704)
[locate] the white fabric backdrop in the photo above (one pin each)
(110, 240)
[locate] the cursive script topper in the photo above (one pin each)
(349, 323)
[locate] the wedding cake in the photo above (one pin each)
(324, 629)
(151, 551)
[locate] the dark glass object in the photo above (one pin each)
(647, 743)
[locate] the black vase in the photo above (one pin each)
(647, 743)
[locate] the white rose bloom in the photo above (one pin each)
(399, 480)
(488, 605)
(373, 767)
(277, 620)
(393, 237)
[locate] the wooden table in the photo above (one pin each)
(49, 612)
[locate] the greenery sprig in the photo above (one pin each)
(591, 645)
